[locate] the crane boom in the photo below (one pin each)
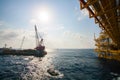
(22, 42)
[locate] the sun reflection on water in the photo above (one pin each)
(37, 67)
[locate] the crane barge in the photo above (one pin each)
(39, 50)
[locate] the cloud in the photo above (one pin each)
(54, 35)
(1, 23)
(47, 28)
(68, 39)
(77, 40)
(59, 27)
(81, 14)
(84, 12)
(13, 37)
(4, 25)
(7, 34)
(72, 35)
(33, 21)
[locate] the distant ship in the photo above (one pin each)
(38, 51)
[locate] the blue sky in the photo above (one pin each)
(66, 26)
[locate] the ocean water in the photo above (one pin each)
(71, 64)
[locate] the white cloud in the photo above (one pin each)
(54, 35)
(47, 28)
(84, 12)
(73, 35)
(77, 40)
(69, 39)
(59, 27)
(33, 21)
(13, 37)
(8, 35)
(1, 23)
(81, 14)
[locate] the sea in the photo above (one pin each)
(70, 64)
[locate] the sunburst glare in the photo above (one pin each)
(44, 16)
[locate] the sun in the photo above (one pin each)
(44, 16)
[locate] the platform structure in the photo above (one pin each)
(107, 14)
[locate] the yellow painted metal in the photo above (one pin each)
(108, 12)
(107, 15)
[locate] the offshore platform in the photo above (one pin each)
(107, 14)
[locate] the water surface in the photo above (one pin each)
(72, 64)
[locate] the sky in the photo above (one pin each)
(60, 22)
